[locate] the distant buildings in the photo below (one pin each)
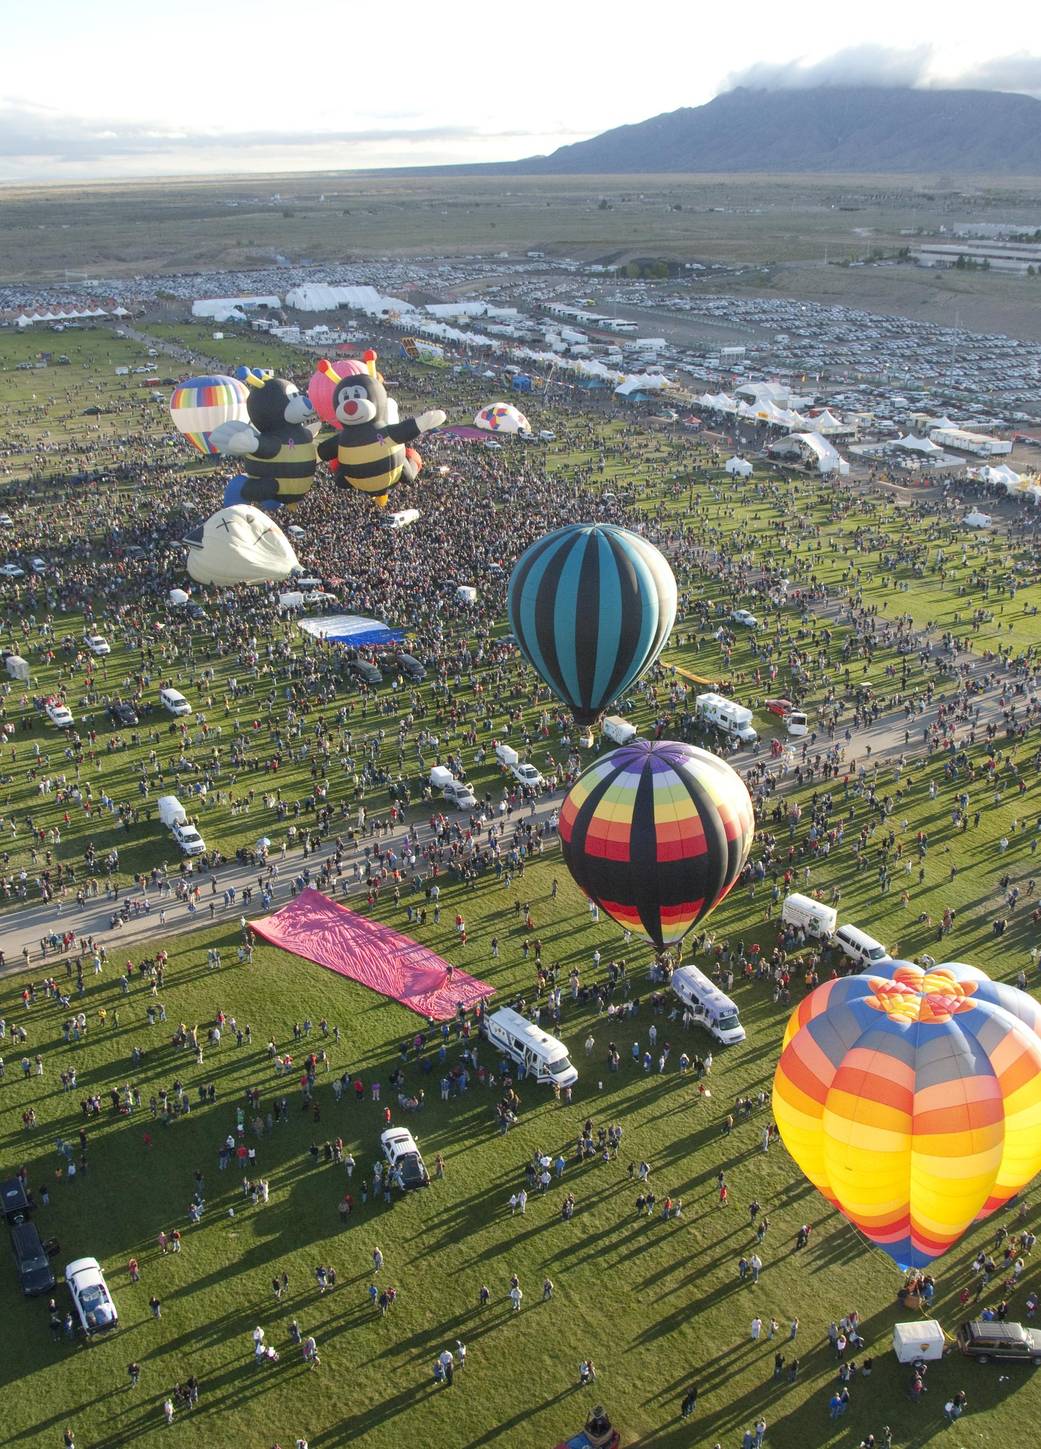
(997, 256)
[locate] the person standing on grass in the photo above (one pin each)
(689, 1402)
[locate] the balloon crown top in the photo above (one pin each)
(915, 993)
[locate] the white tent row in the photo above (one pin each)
(221, 308)
(322, 297)
(28, 318)
(719, 402)
(738, 467)
(444, 310)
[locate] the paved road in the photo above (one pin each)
(880, 740)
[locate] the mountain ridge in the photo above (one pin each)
(838, 129)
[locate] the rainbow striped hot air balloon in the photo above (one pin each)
(911, 1099)
(201, 404)
(592, 606)
(657, 834)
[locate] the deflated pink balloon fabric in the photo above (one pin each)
(318, 929)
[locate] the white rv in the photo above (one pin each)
(727, 715)
(712, 1008)
(541, 1055)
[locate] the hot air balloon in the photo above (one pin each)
(502, 418)
(591, 606)
(656, 834)
(911, 1099)
(320, 388)
(202, 403)
(239, 545)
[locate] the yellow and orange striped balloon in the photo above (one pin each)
(911, 1099)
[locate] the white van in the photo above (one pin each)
(814, 917)
(173, 815)
(860, 947)
(542, 1056)
(507, 755)
(174, 702)
(618, 729)
(712, 1008)
(796, 723)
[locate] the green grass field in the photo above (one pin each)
(656, 1305)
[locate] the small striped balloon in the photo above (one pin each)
(592, 606)
(657, 834)
(911, 1099)
(201, 404)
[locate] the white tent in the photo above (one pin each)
(17, 668)
(912, 444)
(1002, 475)
(814, 450)
(642, 382)
(976, 519)
(738, 467)
(827, 423)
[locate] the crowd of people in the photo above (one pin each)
(284, 740)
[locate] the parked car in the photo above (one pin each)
(15, 1202)
(410, 667)
(92, 1303)
(12, 571)
(122, 713)
(986, 1341)
(6, 521)
(782, 707)
(745, 619)
(401, 1152)
(528, 776)
(96, 644)
(364, 670)
(59, 713)
(31, 1262)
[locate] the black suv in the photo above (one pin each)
(122, 713)
(985, 1341)
(410, 667)
(15, 1202)
(365, 670)
(31, 1260)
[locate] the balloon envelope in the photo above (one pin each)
(657, 834)
(320, 388)
(502, 418)
(911, 1099)
(240, 545)
(592, 606)
(201, 404)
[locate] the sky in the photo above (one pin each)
(93, 89)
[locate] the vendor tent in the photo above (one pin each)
(350, 629)
(738, 467)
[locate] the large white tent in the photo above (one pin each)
(738, 467)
